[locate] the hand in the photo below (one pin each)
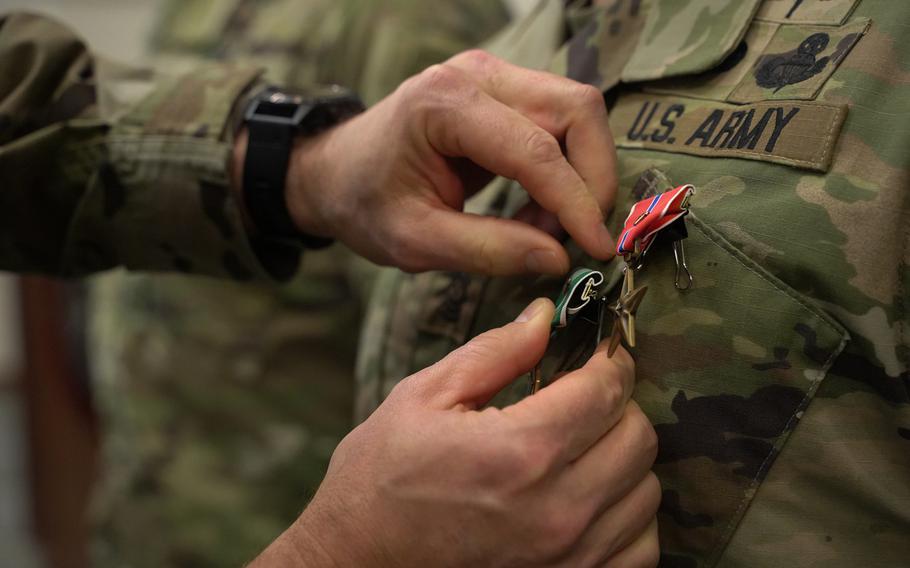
(561, 478)
(391, 183)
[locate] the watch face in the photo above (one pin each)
(280, 98)
(313, 111)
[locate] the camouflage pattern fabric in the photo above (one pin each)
(82, 159)
(778, 384)
(223, 401)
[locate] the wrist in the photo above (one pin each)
(297, 546)
(278, 181)
(235, 172)
(317, 542)
(309, 184)
(306, 181)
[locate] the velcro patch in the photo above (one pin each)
(796, 133)
(797, 62)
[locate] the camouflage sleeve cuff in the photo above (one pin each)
(161, 199)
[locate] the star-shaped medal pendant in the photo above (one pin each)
(624, 310)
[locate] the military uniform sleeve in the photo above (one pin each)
(103, 166)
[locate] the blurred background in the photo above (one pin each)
(48, 431)
(77, 357)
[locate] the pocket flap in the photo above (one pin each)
(682, 38)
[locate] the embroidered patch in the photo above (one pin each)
(830, 12)
(799, 134)
(797, 62)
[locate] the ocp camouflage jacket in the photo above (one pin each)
(778, 383)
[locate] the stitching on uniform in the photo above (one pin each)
(901, 294)
(698, 223)
(725, 153)
(828, 145)
(724, 535)
(175, 150)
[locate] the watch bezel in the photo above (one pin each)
(272, 99)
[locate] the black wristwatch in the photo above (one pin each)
(273, 119)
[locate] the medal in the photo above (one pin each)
(664, 213)
(581, 288)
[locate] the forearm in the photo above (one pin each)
(314, 543)
(290, 550)
(139, 183)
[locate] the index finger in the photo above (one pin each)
(507, 143)
(578, 409)
(570, 111)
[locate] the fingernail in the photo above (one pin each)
(544, 261)
(529, 312)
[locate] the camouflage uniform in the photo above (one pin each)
(222, 400)
(778, 384)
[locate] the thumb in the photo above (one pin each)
(472, 374)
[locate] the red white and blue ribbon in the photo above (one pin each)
(649, 216)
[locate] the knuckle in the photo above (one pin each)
(523, 457)
(642, 436)
(404, 252)
(578, 205)
(590, 99)
(509, 467)
(561, 528)
(406, 389)
(487, 345)
(650, 442)
(541, 147)
(653, 493)
(529, 458)
(474, 58)
(439, 79)
(611, 389)
(484, 260)
(647, 436)
(498, 460)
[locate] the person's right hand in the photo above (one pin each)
(432, 478)
(391, 183)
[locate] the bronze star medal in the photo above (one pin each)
(664, 212)
(624, 309)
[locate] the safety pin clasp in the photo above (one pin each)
(684, 279)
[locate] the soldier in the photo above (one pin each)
(216, 171)
(778, 382)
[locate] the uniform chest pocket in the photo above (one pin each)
(725, 371)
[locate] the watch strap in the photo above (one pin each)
(273, 120)
(264, 176)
